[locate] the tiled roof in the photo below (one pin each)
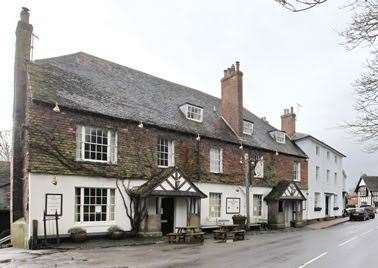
(299, 136)
(371, 182)
(87, 83)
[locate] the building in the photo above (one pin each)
(367, 191)
(4, 196)
(326, 178)
(98, 134)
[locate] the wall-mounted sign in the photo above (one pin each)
(232, 205)
(54, 204)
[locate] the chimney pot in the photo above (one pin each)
(291, 109)
(24, 15)
(237, 66)
(288, 122)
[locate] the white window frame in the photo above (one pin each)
(317, 172)
(335, 201)
(110, 205)
(280, 137)
(317, 149)
(328, 174)
(216, 160)
(297, 171)
(215, 205)
(317, 197)
(170, 153)
(336, 159)
(259, 169)
(84, 142)
(335, 178)
(247, 127)
(328, 155)
(193, 112)
(257, 205)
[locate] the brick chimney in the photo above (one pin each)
(288, 122)
(232, 98)
(22, 57)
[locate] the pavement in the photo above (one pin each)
(327, 223)
(351, 244)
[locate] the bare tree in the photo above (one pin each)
(300, 5)
(5, 145)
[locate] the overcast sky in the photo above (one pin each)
(287, 59)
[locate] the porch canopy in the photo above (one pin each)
(285, 190)
(171, 182)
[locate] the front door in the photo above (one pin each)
(288, 212)
(327, 205)
(167, 216)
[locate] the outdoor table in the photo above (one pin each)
(224, 230)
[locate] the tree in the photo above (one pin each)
(363, 31)
(300, 5)
(5, 145)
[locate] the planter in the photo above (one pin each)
(79, 237)
(116, 235)
(317, 209)
(336, 208)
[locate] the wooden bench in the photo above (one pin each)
(238, 235)
(197, 237)
(175, 237)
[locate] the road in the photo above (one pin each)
(351, 244)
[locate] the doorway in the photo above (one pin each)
(167, 215)
(327, 205)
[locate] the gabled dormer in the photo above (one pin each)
(192, 112)
(278, 136)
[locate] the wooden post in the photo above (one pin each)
(57, 228)
(44, 228)
(35, 234)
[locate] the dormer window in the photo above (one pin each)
(247, 127)
(279, 136)
(192, 112)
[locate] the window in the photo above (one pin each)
(335, 178)
(215, 205)
(216, 160)
(96, 144)
(192, 112)
(165, 153)
(335, 159)
(94, 204)
(328, 173)
(328, 155)
(247, 127)
(259, 169)
(317, 172)
(280, 137)
(317, 200)
(257, 205)
(297, 171)
(317, 150)
(280, 206)
(335, 203)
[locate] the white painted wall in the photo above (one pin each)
(321, 185)
(231, 191)
(41, 184)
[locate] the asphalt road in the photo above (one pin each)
(351, 244)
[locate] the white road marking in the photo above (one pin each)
(349, 240)
(312, 260)
(364, 233)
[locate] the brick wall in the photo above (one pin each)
(136, 150)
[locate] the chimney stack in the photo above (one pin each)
(232, 97)
(288, 122)
(22, 57)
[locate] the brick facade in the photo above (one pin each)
(52, 142)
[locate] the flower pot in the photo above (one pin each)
(116, 235)
(240, 220)
(79, 237)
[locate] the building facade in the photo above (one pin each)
(97, 134)
(326, 192)
(367, 191)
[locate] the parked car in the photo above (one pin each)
(348, 211)
(364, 212)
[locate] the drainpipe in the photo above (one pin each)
(247, 186)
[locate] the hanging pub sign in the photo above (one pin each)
(53, 204)
(232, 205)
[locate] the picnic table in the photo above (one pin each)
(230, 230)
(187, 234)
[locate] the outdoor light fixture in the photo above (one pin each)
(140, 124)
(54, 181)
(241, 146)
(276, 152)
(56, 108)
(198, 137)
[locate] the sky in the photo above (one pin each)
(288, 59)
